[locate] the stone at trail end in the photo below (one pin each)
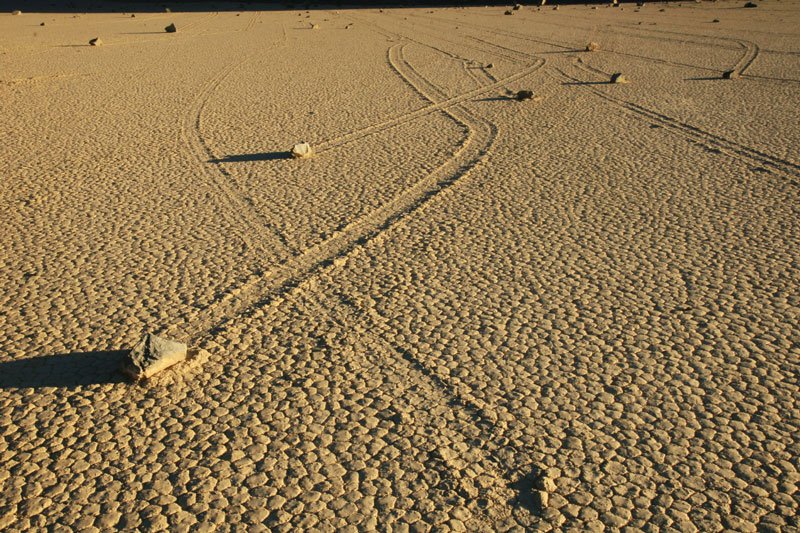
(509, 12)
(517, 7)
(524, 95)
(96, 42)
(546, 484)
(617, 77)
(541, 500)
(730, 75)
(16, 12)
(152, 355)
(171, 28)
(302, 151)
(593, 47)
(751, 4)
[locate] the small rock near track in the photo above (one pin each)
(171, 28)
(302, 151)
(617, 77)
(97, 41)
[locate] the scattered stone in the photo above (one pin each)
(751, 4)
(541, 499)
(167, 10)
(508, 13)
(16, 12)
(593, 47)
(42, 24)
(315, 26)
(152, 355)
(133, 15)
(555, 8)
(731, 75)
(517, 7)
(617, 77)
(489, 65)
(302, 151)
(96, 42)
(715, 21)
(542, 3)
(524, 95)
(546, 484)
(171, 28)
(639, 4)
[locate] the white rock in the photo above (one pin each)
(302, 151)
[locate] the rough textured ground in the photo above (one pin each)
(460, 293)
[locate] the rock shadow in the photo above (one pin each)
(66, 370)
(263, 156)
(588, 83)
(525, 487)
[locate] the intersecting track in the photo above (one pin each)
(258, 231)
(264, 286)
(787, 169)
(736, 150)
(261, 289)
(751, 49)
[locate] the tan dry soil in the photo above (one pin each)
(458, 294)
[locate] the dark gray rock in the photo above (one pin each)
(152, 355)
(617, 77)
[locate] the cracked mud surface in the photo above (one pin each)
(458, 294)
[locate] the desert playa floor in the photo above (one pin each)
(460, 295)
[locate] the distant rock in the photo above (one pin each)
(715, 21)
(167, 10)
(541, 499)
(617, 77)
(555, 8)
(171, 28)
(508, 13)
(42, 24)
(731, 74)
(152, 355)
(542, 3)
(489, 65)
(96, 42)
(593, 47)
(517, 7)
(302, 151)
(546, 484)
(524, 95)
(133, 15)
(315, 26)
(16, 12)
(639, 4)
(751, 4)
